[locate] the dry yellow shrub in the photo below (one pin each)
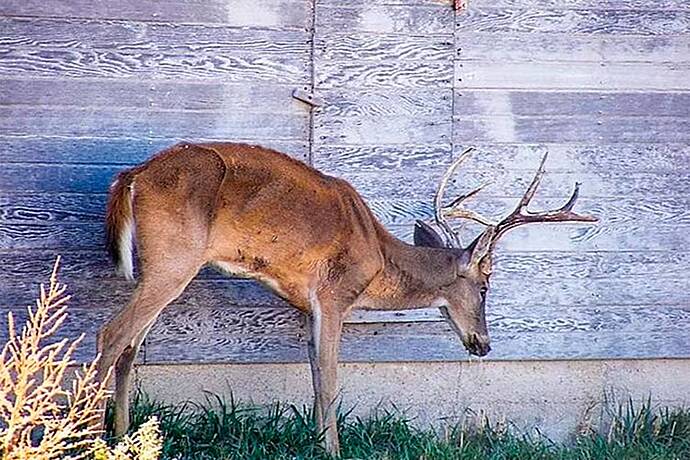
(41, 418)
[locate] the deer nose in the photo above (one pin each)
(478, 345)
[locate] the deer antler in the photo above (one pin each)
(521, 215)
(454, 209)
(441, 212)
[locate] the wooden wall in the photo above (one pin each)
(89, 87)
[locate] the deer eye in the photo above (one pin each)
(483, 290)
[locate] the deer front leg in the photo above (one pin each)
(324, 342)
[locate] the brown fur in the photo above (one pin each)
(308, 236)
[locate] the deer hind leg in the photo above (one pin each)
(120, 339)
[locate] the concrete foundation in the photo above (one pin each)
(557, 398)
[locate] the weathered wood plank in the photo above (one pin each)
(341, 159)
(276, 335)
(16, 121)
(383, 130)
(381, 347)
(406, 185)
(576, 129)
(416, 184)
(365, 348)
(79, 320)
(584, 4)
(614, 212)
(403, 19)
(397, 74)
(165, 38)
(239, 13)
(341, 45)
(163, 95)
(624, 158)
(546, 47)
(154, 65)
(575, 21)
(341, 103)
(507, 290)
(594, 104)
(572, 75)
(384, 116)
(112, 151)
(113, 294)
(437, 3)
(55, 236)
(47, 208)
(94, 266)
(570, 237)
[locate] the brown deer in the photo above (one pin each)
(308, 237)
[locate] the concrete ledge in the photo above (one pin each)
(554, 397)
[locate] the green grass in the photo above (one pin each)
(225, 429)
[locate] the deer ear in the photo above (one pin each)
(486, 265)
(480, 249)
(426, 236)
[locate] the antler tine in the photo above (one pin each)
(451, 237)
(532, 189)
(454, 210)
(521, 215)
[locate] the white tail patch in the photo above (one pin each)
(126, 248)
(126, 241)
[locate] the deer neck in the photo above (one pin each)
(411, 277)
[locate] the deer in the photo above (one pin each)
(308, 237)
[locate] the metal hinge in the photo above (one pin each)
(307, 97)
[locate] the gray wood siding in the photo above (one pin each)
(90, 87)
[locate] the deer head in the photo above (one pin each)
(463, 301)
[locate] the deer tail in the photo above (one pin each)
(119, 224)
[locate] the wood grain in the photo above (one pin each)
(154, 65)
(384, 344)
(112, 151)
(397, 74)
(353, 104)
(94, 266)
(557, 47)
(160, 37)
(16, 121)
(157, 96)
(584, 4)
(344, 45)
(276, 335)
(586, 21)
(572, 75)
(612, 212)
(576, 129)
(400, 19)
(240, 13)
(578, 238)
(583, 158)
(437, 3)
(593, 104)
(341, 158)
(382, 130)
(503, 182)
(507, 290)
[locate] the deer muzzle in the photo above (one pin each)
(477, 344)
